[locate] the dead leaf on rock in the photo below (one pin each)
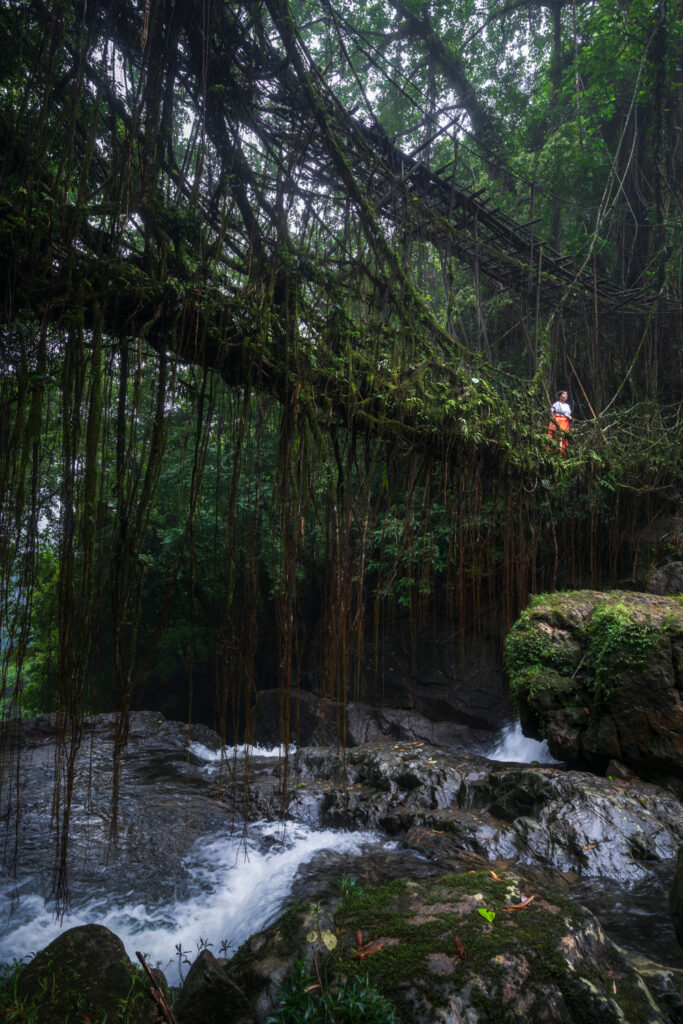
(520, 906)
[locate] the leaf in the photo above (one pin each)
(488, 914)
(519, 906)
(462, 952)
(495, 877)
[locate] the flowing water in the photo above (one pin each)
(513, 745)
(230, 883)
(185, 874)
(228, 888)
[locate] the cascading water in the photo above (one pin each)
(231, 882)
(513, 745)
(188, 872)
(235, 886)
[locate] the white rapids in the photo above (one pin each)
(238, 885)
(513, 746)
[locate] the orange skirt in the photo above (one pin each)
(563, 423)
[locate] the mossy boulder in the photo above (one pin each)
(470, 946)
(84, 974)
(600, 676)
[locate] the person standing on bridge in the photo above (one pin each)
(560, 418)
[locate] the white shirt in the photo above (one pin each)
(561, 409)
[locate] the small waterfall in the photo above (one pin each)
(213, 758)
(235, 885)
(513, 745)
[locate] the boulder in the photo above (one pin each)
(536, 815)
(428, 668)
(599, 675)
(317, 721)
(85, 973)
(205, 991)
(469, 946)
(666, 579)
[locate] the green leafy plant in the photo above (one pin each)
(304, 1000)
(350, 886)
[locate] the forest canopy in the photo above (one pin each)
(288, 289)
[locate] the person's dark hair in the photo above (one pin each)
(562, 391)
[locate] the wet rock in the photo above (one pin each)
(532, 814)
(676, 897)
(205, 992)
(427, 947)
(664, 983)
(85, 971)
(600, 676)
(150, 726)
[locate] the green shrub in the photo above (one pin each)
(304, 1000)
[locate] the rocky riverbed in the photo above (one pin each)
(430, 822)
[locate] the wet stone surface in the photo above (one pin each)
(568, 833)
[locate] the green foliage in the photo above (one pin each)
(303, 1000)
(350, 886)
(14, 1009)
(617, 640)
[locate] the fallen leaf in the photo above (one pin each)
(461, 949)
(359, 939)
(374, 947)
(591, 846)
(519, 906)
(488, 914)
(495, 877)
(312, 988)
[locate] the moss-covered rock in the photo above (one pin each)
(470, 946)
(84, 974)
(600, 676)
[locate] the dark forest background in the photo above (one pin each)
(287, 291)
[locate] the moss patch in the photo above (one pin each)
(432, 925)
(617, 640)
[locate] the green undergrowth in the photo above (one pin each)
(304, 998)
